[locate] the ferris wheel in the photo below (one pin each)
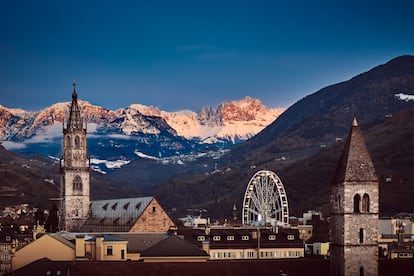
(265, 201)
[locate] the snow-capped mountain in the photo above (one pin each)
(231, 121)
(120, 134)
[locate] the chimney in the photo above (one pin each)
(206, 246)
(99, 247)
(80, 247)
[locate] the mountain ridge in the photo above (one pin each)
(207, 126)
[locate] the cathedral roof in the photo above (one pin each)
(355, 164)
(115, 215)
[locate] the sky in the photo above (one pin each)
(188, 54)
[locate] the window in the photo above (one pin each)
(216, 238)
(357, 199)
(230, 238)
(68, 141)
(365, 203)
(8, 238)
(153, 209)
(245, 238)
(361, 271)
(109, 250)
(272, 237)
(291, 237)
(77, 183)
(250, 254)
(361, 235)
(201, 238)
(77, 141)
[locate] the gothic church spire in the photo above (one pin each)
(75, 121)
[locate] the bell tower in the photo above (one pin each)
(75, 170)
(354, 210)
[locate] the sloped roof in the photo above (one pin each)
(138, 242)
(61, 239)
(355, 164)
(114, 215)
(173, 246)
(44, 267)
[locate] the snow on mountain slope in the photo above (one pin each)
(231, 121)
(234, 120)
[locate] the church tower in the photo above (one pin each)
(354, 210)
(75, 170)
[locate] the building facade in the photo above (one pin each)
(8, 245)
(354, 210)
(246, 243)
(75, 170)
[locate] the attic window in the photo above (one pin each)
(8, 238)
(291, 237)
(272, 237)
(230, 238)
(138, 205)
(153, 209)
(116, 221)
(130, 220)
(200, 238)
(114, 206)
(245, 238)
(216, 238)
(105, 207)
(126, 206)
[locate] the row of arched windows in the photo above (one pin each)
(361, 206)
(77, 143)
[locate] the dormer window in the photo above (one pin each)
(201, 238)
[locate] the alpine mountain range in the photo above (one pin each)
(138, 131)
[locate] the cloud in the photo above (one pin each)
(46, 134)
(9, 145)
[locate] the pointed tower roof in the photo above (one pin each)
(355, 164)
(74, 121)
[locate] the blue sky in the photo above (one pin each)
(188, 54)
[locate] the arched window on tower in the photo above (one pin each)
(365, 203)
(77, 183)
(361, 235)
(357, 200)
(68, 141)
(77, 141)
